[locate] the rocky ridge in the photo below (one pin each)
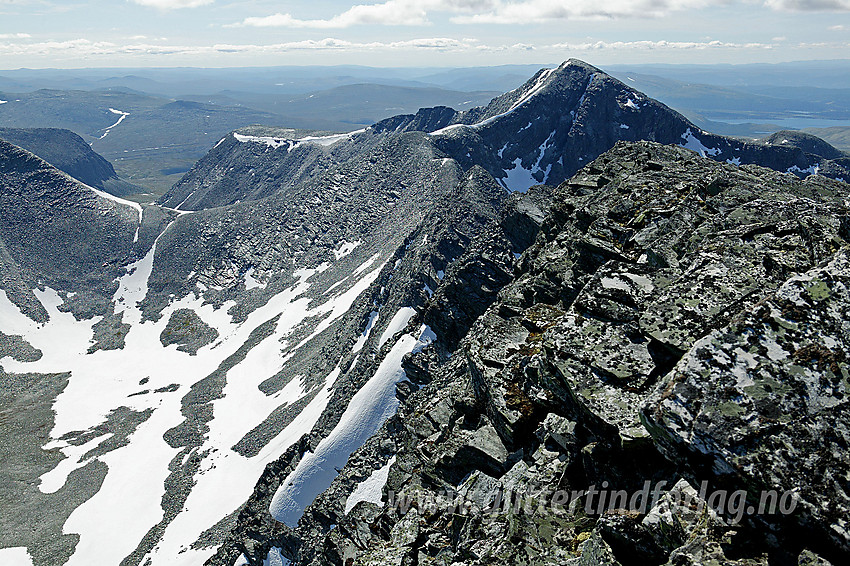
(68, 152)
(542, 132)
(678, 322)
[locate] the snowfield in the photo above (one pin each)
(17, 556)
(693, 143)
(114, 521)
(290, 144)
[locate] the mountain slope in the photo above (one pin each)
(69, 153)
(288, 305)
(57, 232)
(245, 339)
(563, 118)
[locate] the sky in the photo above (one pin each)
(439, 33)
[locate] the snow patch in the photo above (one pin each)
(368, 409)
(397, 324)
(447, 129)
(632, 103)
(534, 90)
(16, 556)
(612, 283)
(329, 140)
(538, 85)
(518, 178)
(291, 144)
(811, 170)
(275, 558)
(272, 142)
(694, 144)
(113, 198)
(251, 283)
(122, 116)
(370, 489)
(624, 127)
(367, 263)
(734, 161)
(133, 287)
(345, 249)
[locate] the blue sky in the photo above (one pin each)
(221, 33)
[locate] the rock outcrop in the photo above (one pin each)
(677, 326)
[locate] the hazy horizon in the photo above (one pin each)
(38, 34)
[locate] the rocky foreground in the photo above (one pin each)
(679, 329)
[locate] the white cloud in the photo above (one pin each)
(838, 28)
(415, 12)
(654, 45)
(85, 48)
(173, 4)
(14, 35)
(809, 5)
(537, 11)
(390, 13)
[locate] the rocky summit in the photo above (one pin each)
(567, 327)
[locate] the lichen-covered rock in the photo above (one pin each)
(644, 254)
(763, 402)
(700, 551)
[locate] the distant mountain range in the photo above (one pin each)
(444, 301)
(158, 142)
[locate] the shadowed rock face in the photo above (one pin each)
(68, 152)
(676, 320)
